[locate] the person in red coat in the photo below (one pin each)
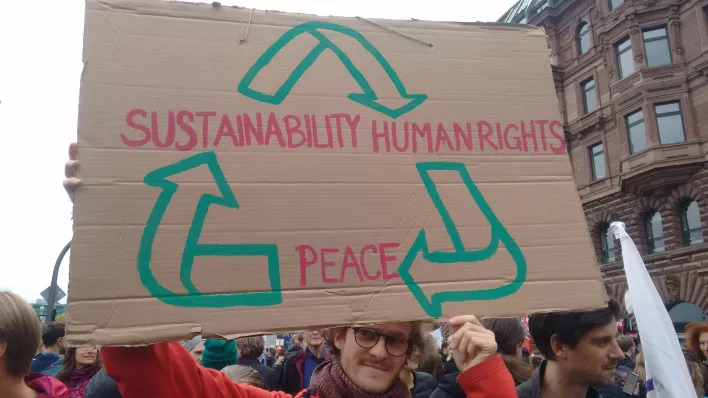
(20, 336)
(364, 362)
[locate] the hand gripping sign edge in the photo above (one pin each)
(368, 98)
(433, 306)
(159, 179)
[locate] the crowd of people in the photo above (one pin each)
(583, 356)
(578, 354)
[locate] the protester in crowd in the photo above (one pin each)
(279, 358)
(296, 343)
(102, 386)
(78, 367)
(195, 346)
(697, 339)
(20, 336)
(627, 345)
(444, 352)
(430, 362)
(296, 371)
(580, 350)
(420, 384)
(509, 333)
(52, 347)
(270, 356)
(219, 354)
(697, 371)
(363, 363)
(449, 366)
(640, 368)
(249, 349)
(246, 375)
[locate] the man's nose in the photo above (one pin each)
(616, 352)
(379, 350)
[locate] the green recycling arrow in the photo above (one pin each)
(433, 306)
(368, 98)
(192, 248)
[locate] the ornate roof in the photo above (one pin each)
(524, 10)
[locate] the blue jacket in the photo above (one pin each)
(43, 361)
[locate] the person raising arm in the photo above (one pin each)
(365, 361)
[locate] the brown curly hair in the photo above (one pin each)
(693, 333)
(416, 340)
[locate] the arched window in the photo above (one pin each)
(682, 314)
(583, 39)
(691, 223)
(607, 244)
(655, 232)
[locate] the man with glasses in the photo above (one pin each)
(362, 362)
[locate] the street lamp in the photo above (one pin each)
(53, 286)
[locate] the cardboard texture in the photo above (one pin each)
(254, 171)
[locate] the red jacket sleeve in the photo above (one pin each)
(168, 370)
(488, 379)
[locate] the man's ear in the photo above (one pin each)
(3, 348)
(60, 342)
(339, 336)
(560, 350)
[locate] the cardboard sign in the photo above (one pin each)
(254, 171)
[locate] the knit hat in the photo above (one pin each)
(219, 354)
(191, 343)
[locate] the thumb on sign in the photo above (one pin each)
(470, 343)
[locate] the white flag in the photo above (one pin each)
(667, 374)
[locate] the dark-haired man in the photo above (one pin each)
(249, 350)
(580, 350)
(52, 347)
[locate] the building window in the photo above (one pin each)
(597, 161)
(656, 46)
(625, 59)
(589, 95)
(583, 39)
(636, 132)
(612, 4)
(669, 122)
(607, 244)
(691, 223)
(655, 232)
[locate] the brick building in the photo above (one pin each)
(632, 85)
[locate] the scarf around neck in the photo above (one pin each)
(79, 379)
(330, 381)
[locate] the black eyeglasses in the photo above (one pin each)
(367, 338)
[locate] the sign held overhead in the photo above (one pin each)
(325, 171)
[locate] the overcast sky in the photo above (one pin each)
(40, 64)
